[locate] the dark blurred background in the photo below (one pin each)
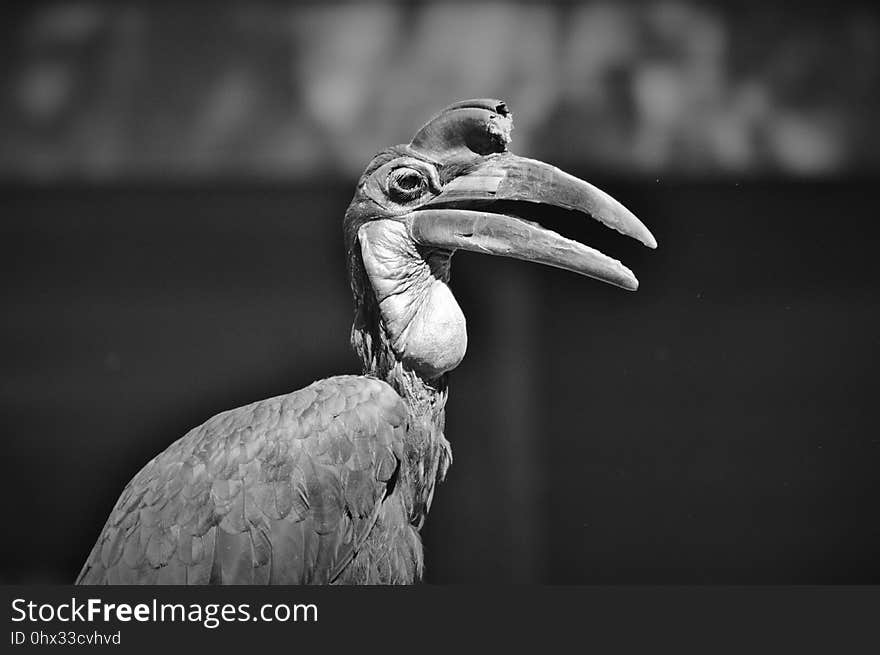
(172, 183)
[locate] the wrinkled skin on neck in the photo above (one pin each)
(400, 292)
(425, 326)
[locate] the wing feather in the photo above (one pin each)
(283, 491)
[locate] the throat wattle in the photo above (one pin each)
(433, 340)
(424, 325)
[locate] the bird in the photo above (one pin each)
(331, 484)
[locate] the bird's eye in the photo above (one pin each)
(405, 184)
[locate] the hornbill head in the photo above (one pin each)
(416, 204)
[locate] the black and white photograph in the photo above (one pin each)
(508, 295)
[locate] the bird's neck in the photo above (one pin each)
(428, 452)
(417, 312)
(408, 330)
(370, 340)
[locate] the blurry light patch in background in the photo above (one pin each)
(269, 90)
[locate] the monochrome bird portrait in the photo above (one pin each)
(332, 483)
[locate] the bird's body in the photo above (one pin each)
(331, 484)
(328, 484)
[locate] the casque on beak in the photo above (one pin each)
(471, 138)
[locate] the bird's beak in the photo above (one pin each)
(459, 218)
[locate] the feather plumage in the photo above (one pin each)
(287, 490)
